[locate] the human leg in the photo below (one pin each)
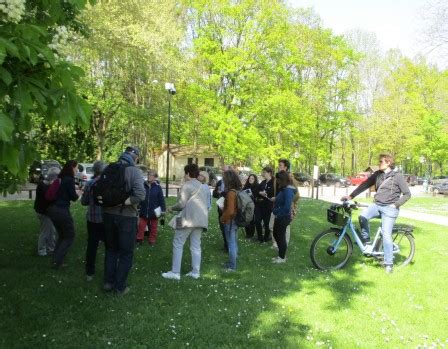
(230, 231)
(46, 240)
(127, 230)
(142, 223)
(95, 232)
(388, 217)
(280, 225)
(180, 236)
(153, 225)
(64, 224)
(111, 244)
(368, 213)
(195, 248)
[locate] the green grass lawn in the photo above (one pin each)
(261, 306)
(437, 205)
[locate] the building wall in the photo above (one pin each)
(177, 164)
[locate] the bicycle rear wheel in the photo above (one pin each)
(322, 254)
(404, 248)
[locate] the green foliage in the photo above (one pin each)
(35, 79)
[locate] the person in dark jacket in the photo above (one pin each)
(282, 213)
(47, 236)
(94, 217)
(60, 215)
(392, 191)
(251, 186)
(263, 205)
(153, 199)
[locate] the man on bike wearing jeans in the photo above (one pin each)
(392, 191)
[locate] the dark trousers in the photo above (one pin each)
(280, 224)
(221, 226)
(262, 218)
(250, 229)
(95, 234)
(63, 222)
(120, 233)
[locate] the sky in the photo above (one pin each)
(396, 23)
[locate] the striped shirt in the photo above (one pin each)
(94, 212)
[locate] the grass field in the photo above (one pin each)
(437, 205)
(261, 305)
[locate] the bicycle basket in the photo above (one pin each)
(336, 215)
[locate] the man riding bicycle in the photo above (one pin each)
(392, 191)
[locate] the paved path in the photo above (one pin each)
(424, 217)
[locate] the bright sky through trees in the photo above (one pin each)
(397, 24)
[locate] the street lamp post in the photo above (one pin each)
(171, 91)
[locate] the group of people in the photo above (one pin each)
(121, 226)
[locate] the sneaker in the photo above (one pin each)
(122, 293)
(229, 270)
(108, 287)
(368, 249)
(279, 260)
(171, 275)
(193, 275)
(89, 277)
(389, 269)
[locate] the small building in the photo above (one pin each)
(181, 155)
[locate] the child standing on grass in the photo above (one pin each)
(148, 218)
(94, 216)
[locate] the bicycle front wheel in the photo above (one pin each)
(323, 254)
(404, 248)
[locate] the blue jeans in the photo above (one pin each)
(230, 232)
(119, 233)
(388, 216)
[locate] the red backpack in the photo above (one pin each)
(52, 192)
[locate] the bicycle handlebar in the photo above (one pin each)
(353, 204)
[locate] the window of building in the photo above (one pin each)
(209, 162)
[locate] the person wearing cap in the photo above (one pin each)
(120, 226)
(47, 236)
(94, 217)
(148, 216)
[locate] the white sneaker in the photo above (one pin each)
(389, 269)
(171, 275)
(368, 249)
(279, 260)
(193, 275)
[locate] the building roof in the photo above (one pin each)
(177, 150)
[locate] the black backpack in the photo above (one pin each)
(110, 189)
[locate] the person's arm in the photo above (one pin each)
(404, 190)
(365, 185)
(182, 200)
(85, 198)
(71, 190)
(138, 192)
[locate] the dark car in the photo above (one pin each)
(302, 178)
(214, 174)
(39, 169)
(441, 188)
(438, 179)
(333, 179)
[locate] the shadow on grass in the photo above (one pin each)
(260, 305)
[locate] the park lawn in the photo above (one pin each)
(261, 305)
(437, 205)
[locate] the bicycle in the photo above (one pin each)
(331, 249)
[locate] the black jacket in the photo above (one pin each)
(40, 204)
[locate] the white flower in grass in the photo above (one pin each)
(12, 9)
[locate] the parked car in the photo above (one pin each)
(39, 169)
(333, 179)
(302, 178)
(85, 173)
(214, 174)
(359, 178)
(441, 188)
(411, 179)
(438, 179)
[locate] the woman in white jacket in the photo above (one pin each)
(190, 222)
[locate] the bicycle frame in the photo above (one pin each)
(349, 227)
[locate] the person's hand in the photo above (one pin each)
(346, 198)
